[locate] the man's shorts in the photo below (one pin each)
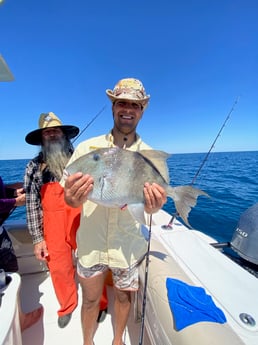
(123, 278)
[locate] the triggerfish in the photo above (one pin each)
(119, 176)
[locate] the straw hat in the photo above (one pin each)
(48, 120)
(129, 89)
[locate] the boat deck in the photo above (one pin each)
(177, 253)
(46, 331)
(36, 289)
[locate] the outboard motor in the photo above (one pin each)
(245, 238)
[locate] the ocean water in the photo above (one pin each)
(230, 179)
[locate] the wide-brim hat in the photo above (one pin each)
(48, 120)
(129, 89)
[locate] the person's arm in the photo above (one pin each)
(32, 186)
(6, 205)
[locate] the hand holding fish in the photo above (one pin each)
(155, 197)
(76, 189)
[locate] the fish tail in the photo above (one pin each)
(184, 197)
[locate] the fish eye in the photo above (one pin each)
(96, 157)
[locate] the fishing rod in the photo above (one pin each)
(147, 260)
(214, 142)
(169, 225)
(91, 121)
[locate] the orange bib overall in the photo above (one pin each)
(60, 223)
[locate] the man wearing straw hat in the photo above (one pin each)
(52, 223)
(115, 228)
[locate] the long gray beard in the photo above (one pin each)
(56, 155)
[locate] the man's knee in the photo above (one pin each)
(123, 296)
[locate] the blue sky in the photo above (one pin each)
(194, 57)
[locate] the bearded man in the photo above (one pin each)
(51, 222)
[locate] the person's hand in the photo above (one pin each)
(76, 189)
(40, 251)
(155, 197)
(20, 191)
(20, 199)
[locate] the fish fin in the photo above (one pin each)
(158, 159)
(185, 197)
(137, 212)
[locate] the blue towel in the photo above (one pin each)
(190, 304)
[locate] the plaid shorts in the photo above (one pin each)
(123, 278)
